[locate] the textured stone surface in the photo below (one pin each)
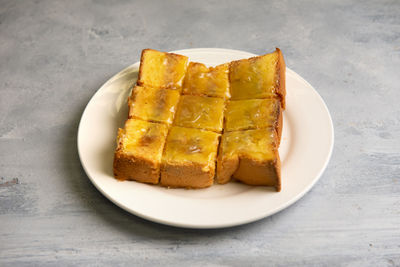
(54, 55)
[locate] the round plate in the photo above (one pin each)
(306, 147)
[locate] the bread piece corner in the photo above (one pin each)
(139, 150)
(250, 157)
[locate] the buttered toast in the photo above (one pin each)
(203, 81)
(162, 70)
(139, 151)
(259, 77)
(190, 125)
(189, 158)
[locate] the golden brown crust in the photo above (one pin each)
(281, 72)
(253, 172)
(250, 171)
(136, 169)
(186, 176)
(277, 165)
(279, 125)
(131, 100)
(196, 64)
(226, 168)
(139, 80)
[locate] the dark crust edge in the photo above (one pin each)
(277, 165)
(281, 90)
(139, 82)
(279, 124)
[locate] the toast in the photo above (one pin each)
(139, 150)
(161, 69)
(251, 157)
(153, 104)
(203, 81)
(259, 77)
(254, 114)
(189, 123)
(189, 158)
(200, 112)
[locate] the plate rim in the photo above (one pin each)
(216, 225)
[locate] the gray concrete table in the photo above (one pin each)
(54, 55)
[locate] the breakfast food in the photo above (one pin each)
(251, 157)
(139, 151)
(200, 112)
(162, 70)
(153, 104)
(213, 81)
(190, 124)
(189, 158)
(254, 114)
(258, 77)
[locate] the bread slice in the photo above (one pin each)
(139, 151)
(153, 104)
(203, 81)
(162, 70)
(200, 112)
(250, 157)
(189, 158)
(259, 77)
(254, 114)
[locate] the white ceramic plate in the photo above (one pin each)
(306, 147)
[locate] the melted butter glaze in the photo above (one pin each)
(254, 77)
(251, 114)
(200, 112)
(257, 144)
(141, 138)
(153, 104)
(213, 81)
(186, 145)
(162, 70)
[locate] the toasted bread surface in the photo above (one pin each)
(153, 104)
(189, 158)
(252, 114)
(139, 151)
(200, 112)
(213, 81)
(258, 77)
(161, 69)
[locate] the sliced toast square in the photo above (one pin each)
(200, 112)
(161, 69)
(213, 81)
(251, 157)
(139, 151)
(153, 104)
(258, 77)
(189, 158)
(253, 114)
